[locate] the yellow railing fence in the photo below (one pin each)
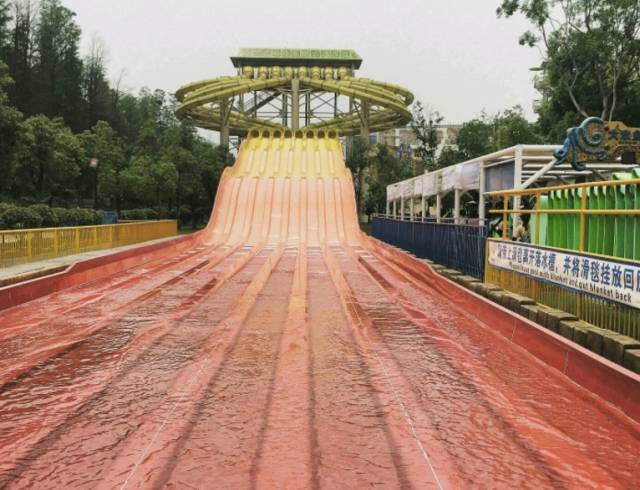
(583, 217)
(22, 246)
(616, 317)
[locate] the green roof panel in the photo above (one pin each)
(287, 56)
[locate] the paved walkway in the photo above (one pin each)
(35, 269)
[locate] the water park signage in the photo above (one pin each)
(613, 280)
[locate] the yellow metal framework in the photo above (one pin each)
(22, 246)
(208, 103)
(616, 317)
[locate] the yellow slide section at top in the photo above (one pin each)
(286, 188)
(315, 154)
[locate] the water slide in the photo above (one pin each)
(282, 348)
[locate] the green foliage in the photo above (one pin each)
(43, 216)
(103, 144)
(47, 159)
(146, 158)
(487, 134)
(425, 129)
(477, 137)
(5, 30)
(9, 128)
(139, 214)
(591, 63)
(48, 215)
(385, 169)
(14, 217)
(358, 161)
(450, 156)
(57, 65)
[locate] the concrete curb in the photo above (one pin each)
(611, 345)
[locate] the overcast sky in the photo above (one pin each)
(455, 55)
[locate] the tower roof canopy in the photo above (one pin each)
(296, 57)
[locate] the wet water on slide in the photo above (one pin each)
(285, 350)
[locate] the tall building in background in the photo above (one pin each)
(404, 142)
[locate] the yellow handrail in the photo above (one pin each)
(22, 246)
(582, 211)
(544, 190)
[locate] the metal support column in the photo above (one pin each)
(456, 206)
(295, 104)
(411, 214)
(402, 208)
(285, 110)
(423, 209)
(482, 207)
(395, 211)
(517, 184)
(364, 120)
(225, 111)
(307, 109)
(438, 207)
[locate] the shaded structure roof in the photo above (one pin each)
(296, 57)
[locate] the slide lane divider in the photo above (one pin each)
(605, 379)
(94, 295)
(159, 433)
(90, 270)
(544, 438)
(15, 373)
(22, 442)
(425, 465)
(285, 456)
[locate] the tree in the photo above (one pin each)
(5, 31)
(385, 169)
(426, 132)
(358, 161)
(58, 68)
(477, 137)
(19, 53)
(103, 144)
(95, 88)
(47, 160)
(9, 128)
(513, 129)
(450, 156)
(591, 51)
(486, 134)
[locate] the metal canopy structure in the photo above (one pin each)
(517, 167)
(296, 89)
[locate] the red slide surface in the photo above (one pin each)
(280, 348)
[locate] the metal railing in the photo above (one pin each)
(457, 246)
(583, 212)
(22, 246)
(596, 219)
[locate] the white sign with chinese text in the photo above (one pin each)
(614, 280)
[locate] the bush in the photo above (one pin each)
(66, 217)
(139, 214)
(16, 218)
(47, 214)
(185, 214)
(85, 217)
(41, 215)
